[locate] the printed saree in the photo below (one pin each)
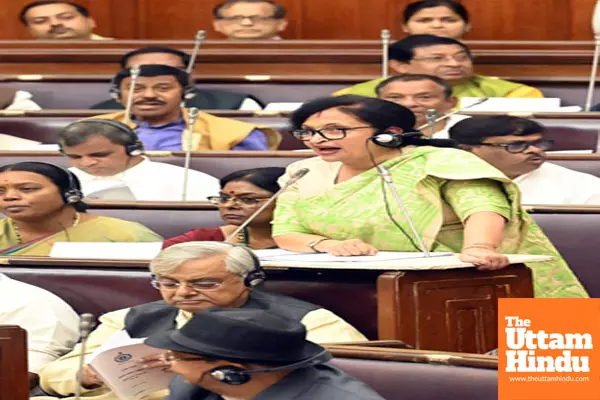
(99, 229)
(356, 209)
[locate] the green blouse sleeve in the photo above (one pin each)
(285, 218)
(467, 197)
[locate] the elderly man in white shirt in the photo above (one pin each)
(516, 146)
(51, 324)
(420, 93)
(107, 158)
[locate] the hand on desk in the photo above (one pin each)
(352, 247)
(484, 259)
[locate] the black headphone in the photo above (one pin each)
(133, 147)
(394, 140)
(232, 375)
(258, 274)
(189, 90)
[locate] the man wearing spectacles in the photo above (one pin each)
(516, 146)
(192, 277)
(448, 59)
(249, 19)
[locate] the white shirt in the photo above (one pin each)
(153, 181)
(51, 324)
(553, 184)
(450, 122)
(23, 101)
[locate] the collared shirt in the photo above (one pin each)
(553, 184)
(153, 181)
(450, 122)
(168, 137)
(52, 325)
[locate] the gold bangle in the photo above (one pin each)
(311, 245)
(488, 246)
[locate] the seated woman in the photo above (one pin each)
(447, 18)
(43, 205)
(457, 202)
(242, 193)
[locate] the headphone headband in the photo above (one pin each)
(133, 147)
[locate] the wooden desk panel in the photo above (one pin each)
(14, 382)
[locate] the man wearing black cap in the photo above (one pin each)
(160, 122)
(252, 354)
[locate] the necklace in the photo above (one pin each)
(18, 233)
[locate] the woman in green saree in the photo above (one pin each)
(458, 202)
(43, 205)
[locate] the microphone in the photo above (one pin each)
(385, 44)
(594, 71)
(200, 36)
(134, 72)
(188, 151)
(387, 178)
(293, 179)
(448, 115)
(86, 325)
(430, 118)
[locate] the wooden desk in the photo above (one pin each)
(14, 383)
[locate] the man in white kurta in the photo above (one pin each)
(51, 324)
(108, 162)
(516, 146)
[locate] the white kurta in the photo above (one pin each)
(450, 122)
(553, 184)
(153, 181)
(51, 324)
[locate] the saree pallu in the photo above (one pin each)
(356, 209)
(99, 229)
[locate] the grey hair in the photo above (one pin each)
(238, 261)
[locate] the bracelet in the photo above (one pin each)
(488, 246)
(311, 245)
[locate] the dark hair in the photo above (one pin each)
(411, 9)
(279, 12)
(265, 178)
(155, 70)
(65, 180)
(378, 113)
(404, 50)
(185, 58)
(474, 130)
(415, 78)
(80, 9)
(79, 132)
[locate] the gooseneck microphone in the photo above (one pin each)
(293, 179)
(594, 71)
(385, 45)
(430, 117)
(200, 36)
(86, 325)
(135, 73)
(188, 150)
(448, 115)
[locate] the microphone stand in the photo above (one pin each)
(430, 117)
(594, 71)
(135, 73)
(448, 115)
(294, 178)
(387, 178)
(200, 36)
(85, 328)
(188, 151)
(385, 44)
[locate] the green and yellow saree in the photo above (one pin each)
(440, 189)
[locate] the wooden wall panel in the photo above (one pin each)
(327, 19)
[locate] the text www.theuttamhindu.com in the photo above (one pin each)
(530, 378)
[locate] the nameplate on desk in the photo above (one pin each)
(106, 250)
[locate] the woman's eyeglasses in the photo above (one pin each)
(327, 133)
(245, 201)
(519, 147)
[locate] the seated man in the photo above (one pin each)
(59, 20)
(51, 324)
(191, 277)
(249, 19)
(204, 99)
(161, 124)
(107, 155)
(251, 354)
(421, 93)
(516, 147)
(448, 59)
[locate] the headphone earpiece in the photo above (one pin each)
(189, 92)
(114, 91)
(72, 195)
(387, 139)
(230, 375)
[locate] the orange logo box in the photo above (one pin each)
(549, 349)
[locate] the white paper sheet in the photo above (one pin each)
(106, 250)
(291, 256)
(119, 339)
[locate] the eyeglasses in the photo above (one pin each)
(253, 18)
(196, 286)
(326, 133)
(519, 147)
(462, 57)
(246, 201)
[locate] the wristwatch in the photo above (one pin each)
(311, 245)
